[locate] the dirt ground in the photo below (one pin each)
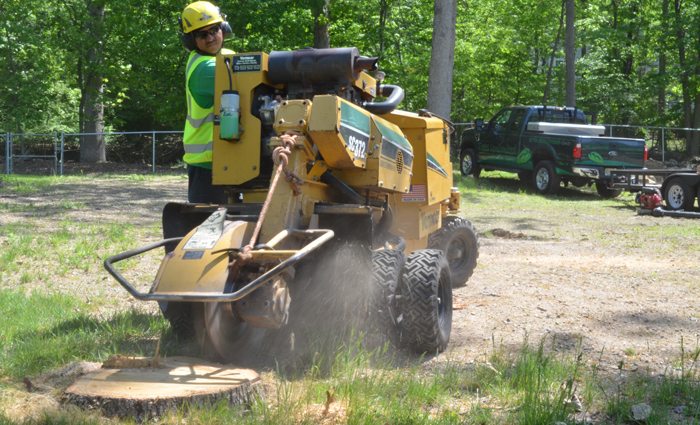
(535, 277)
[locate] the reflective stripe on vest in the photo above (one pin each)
(199, 126)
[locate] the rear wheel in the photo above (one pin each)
(678, 195)
(426, 302)
(467, 163)
(458, 239)
(605, 191)
(545, 179)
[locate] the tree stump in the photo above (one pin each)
(145, 393)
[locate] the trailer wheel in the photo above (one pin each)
(678, 195)
(386, 273)
(605, 191)
(426, 302)
(545, 179)
(468, 164)
(458, 239)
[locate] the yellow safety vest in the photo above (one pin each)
(199, 125)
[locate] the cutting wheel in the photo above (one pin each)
(227, 337)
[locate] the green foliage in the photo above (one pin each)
(502, 53)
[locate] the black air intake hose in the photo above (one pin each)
(394, 95)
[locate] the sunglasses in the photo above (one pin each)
(203, 34)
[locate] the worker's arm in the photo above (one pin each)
(201, 83)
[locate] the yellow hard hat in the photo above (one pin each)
(199, 15)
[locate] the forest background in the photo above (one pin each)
(118, 65)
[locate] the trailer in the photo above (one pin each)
(679, 187)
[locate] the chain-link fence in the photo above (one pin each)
(59, 153)
(161, 151)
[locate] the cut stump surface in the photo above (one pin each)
(145, 393)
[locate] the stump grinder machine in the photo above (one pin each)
(327, 181)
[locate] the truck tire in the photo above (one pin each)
(544, 179)
(607, 192)
(458, 239)
(678, 195)
(467, 163)
(425, 302)
(386, 274)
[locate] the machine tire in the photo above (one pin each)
(425, 302)
(467, 163)
(386, 274)
(678, 196)
(545, 180)
(458, 239)
(606, 192)
(179, 314)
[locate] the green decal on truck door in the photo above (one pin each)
(524, 156)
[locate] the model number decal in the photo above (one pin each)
(355, 140)
(357, 146)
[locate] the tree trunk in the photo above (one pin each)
(683, 66)
(442, 58)
(661, 101)
(383, 16)
(322, 39)
(570, 53)
(92, 146)
(555, 47)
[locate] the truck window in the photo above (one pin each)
(517, 119)
(500, 120)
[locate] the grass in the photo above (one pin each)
(526, 384)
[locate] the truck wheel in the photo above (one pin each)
(678, 196)
(467, 163)
(607, 192)
(386, 273)
(426, 302)
(545, 179)
(458, 239)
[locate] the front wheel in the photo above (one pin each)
(467, 163)
(426, 302)
(545, 179)
(606, 191)
(678, 195)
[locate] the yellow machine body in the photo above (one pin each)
(322, 156)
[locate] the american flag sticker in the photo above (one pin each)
(416, 194)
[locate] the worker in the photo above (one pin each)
(203, 29)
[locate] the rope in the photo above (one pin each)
(280, 156)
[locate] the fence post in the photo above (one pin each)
(9, 153)
(63, 150)
(663, 145)
(153, 155)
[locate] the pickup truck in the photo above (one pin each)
(549, 145)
